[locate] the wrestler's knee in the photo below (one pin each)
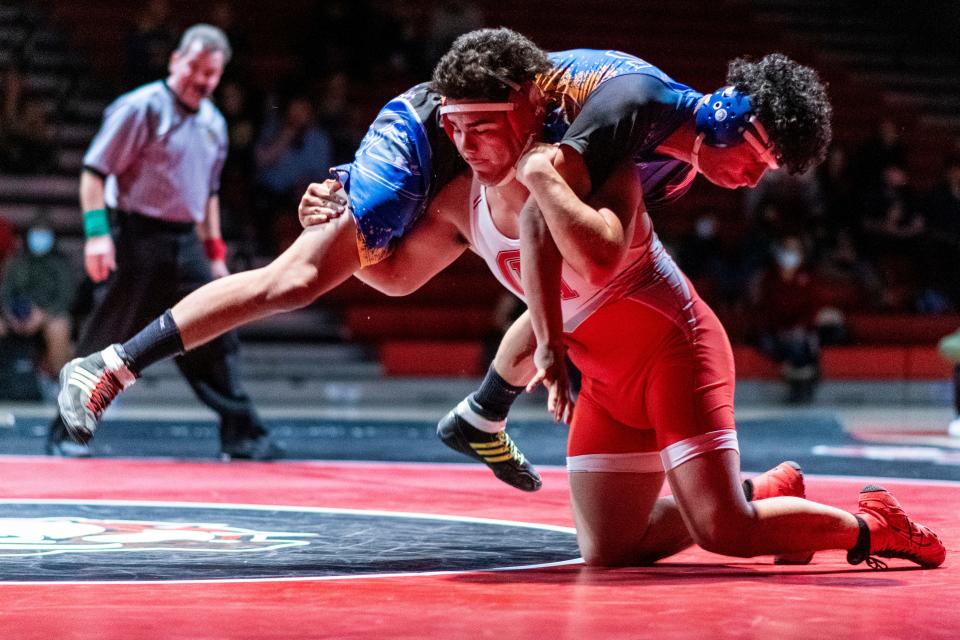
(596, 554)
(605, 551)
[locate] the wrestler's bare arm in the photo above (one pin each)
(434, 242)
(592, 237)
(540, 267)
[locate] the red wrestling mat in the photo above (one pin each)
(696, 594)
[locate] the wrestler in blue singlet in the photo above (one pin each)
(605, 104)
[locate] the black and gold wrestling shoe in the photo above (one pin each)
(496, 450)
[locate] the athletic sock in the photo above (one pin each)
(157, 341)
(861, 550)
(494, 397)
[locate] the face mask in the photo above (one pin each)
(39, 241)
(788, 259)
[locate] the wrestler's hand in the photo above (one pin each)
(322, 202)
(551, 363)
(99, 257)
(536, 160)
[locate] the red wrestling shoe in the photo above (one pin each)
(785, 479)
(893, 534)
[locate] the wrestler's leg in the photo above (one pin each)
(615, 481)
(621, 521)
(718, 516)
(690, 402)
(320, 259)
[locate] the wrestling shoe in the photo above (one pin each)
(785, 479)
(496, 450)
(261, 448)
(88, 386)
(893, 534)
(59, 443)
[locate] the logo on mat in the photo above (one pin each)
(45, 536)
(136, 541)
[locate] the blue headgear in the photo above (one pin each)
(724, 117)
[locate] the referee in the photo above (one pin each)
(151, 217)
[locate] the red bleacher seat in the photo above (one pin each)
(753, 364)
(885, 362)
(432, 358)
(876, 362)
(905, 329)
(379, 323)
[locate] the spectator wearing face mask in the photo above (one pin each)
(35, 295)
(785, 307)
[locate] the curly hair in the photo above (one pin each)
(473, 67)
(791, 101)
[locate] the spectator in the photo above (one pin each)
(30, 141)
(290, 154)
(36, 292)
(884, 148)
(849, 282)
(224, 17)
(149, 44)
(236, 194)
(450, 19)
(402, 37)
(340, 38)
(796, 197)
(785, 309)
(836, 188)
(338, 116)
(891, 214)
(713, 261)
(892, 228)
(942, 242)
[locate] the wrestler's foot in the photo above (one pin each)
(496, 450)
(893, 534)
(88, 386)
(59, 443)
(785, 479)
(260, 448)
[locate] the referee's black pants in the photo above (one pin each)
(158, 264)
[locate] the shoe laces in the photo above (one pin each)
(107, 388)
(507, 441)
(903, 539)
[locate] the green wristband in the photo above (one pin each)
(95, 223)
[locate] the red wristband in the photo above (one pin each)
(216, 249)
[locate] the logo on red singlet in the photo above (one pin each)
(509, 264)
